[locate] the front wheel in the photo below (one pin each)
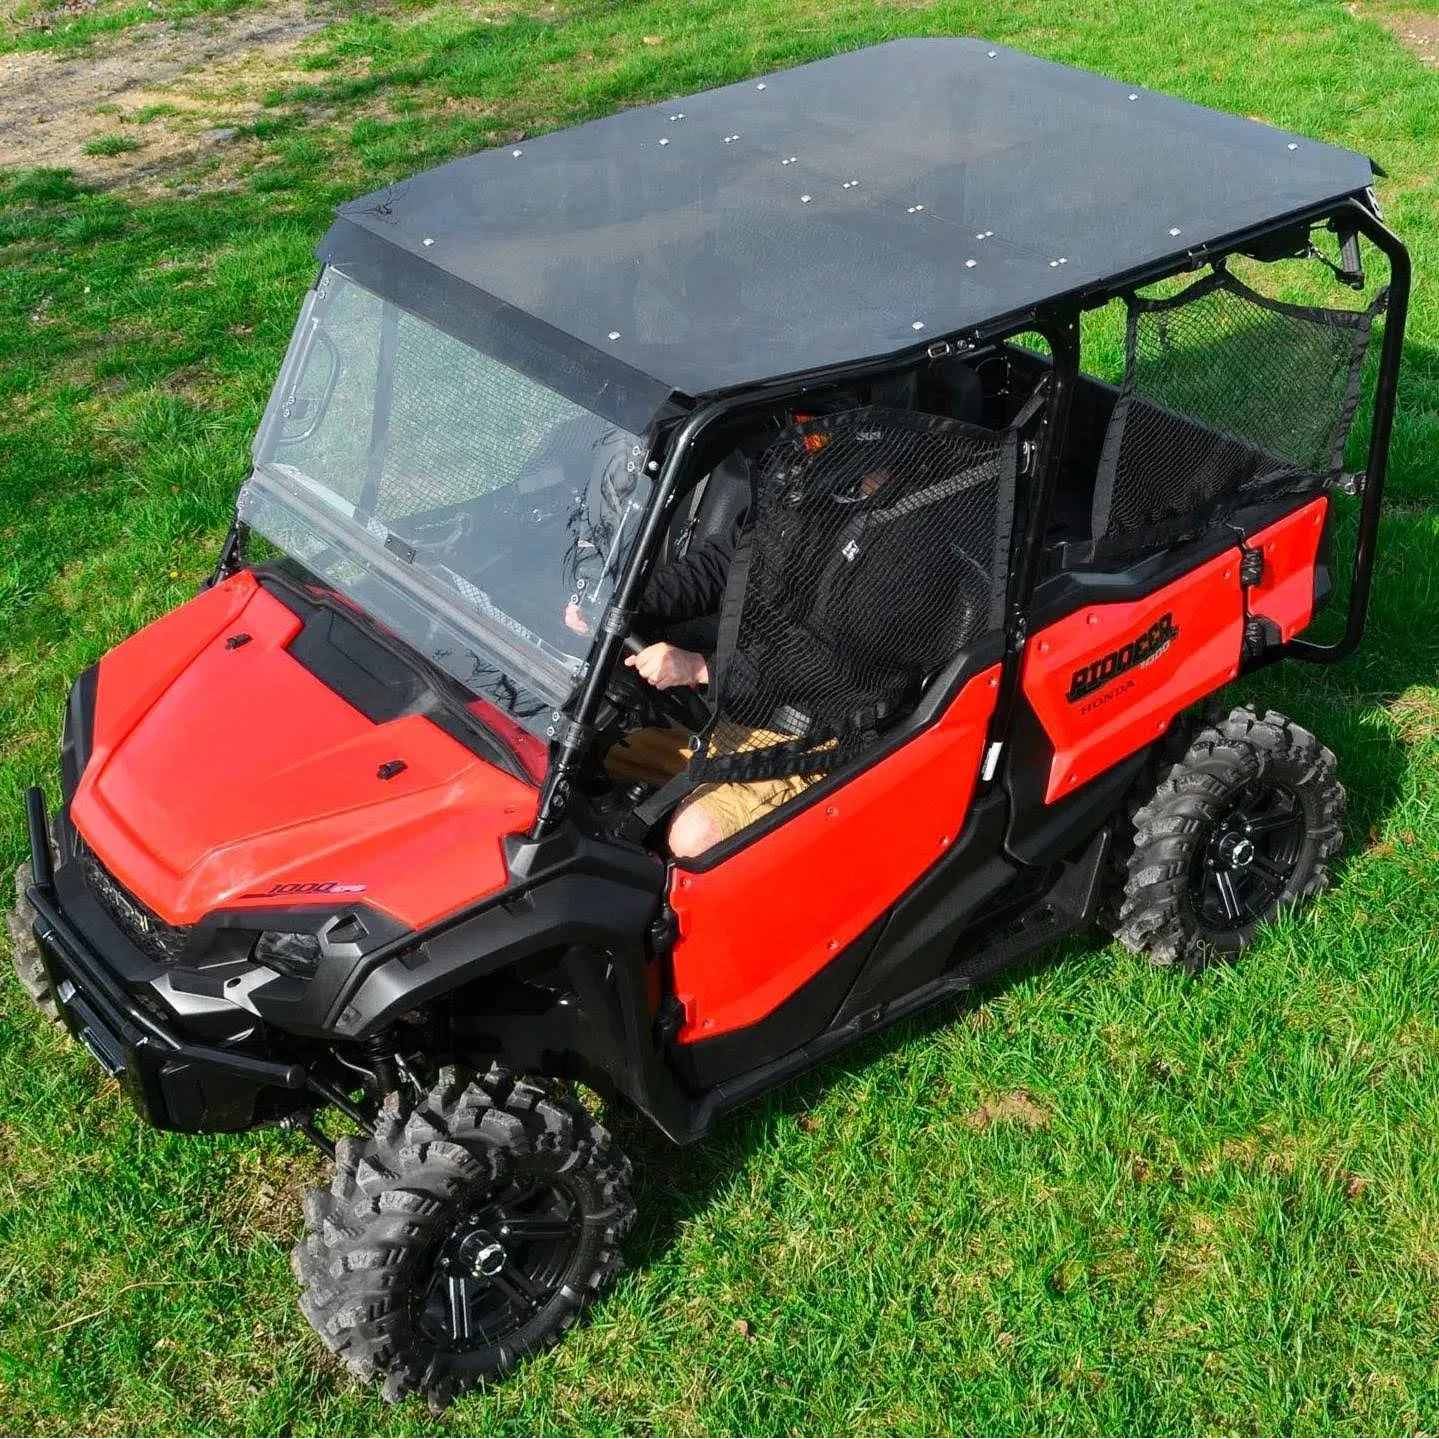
(1239, 829)
(469, 1232)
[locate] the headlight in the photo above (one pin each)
(289, 952)
(298, 953)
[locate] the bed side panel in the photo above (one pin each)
(1109, 678)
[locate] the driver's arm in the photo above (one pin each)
(689, 588)
(686, 589)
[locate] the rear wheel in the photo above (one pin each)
(24, 951)
(471, 1231)
(1243, 826)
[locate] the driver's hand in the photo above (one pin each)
(667, 667)
(575, 620)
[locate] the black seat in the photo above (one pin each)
(952, 388)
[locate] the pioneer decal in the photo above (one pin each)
(1138, 651)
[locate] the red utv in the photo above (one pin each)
(338, 833)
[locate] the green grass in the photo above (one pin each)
(1218, 1206)
(111, 145)
(40, 25)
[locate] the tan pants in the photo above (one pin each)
(657, 755)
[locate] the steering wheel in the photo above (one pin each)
(630, 694)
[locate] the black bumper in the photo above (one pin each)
(173, 1082)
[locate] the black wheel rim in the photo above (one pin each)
(502, 1262)
(1247, 861)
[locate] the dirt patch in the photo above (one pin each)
(1415, 712)
(1017, 1107)
(154, 98)
(1416, 30)
(266, 1196)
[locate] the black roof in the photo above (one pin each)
(846, 209)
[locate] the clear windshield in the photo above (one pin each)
(480, 515)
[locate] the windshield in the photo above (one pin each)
(482, 516)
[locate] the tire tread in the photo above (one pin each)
(1146, 912)
(367, 1234)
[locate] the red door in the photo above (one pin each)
(764, 920)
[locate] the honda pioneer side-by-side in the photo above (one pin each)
(695, 602)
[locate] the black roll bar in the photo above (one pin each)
(1385, 400)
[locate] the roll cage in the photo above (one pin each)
(681, 451)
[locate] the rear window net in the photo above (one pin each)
(878, 551)
(1229, 398)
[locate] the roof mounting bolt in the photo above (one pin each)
(1134, 97)
(614, 334)
(428, 241)
(993, 53)
(970, 264)
(652, 466)
(918, 325)
(664, 142)
(805, 199)
(760, 86)
(1054, 264)
(1175, 230)
(517, 153)
(1293, 146)
(1063, 260)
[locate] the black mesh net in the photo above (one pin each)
(877, 552)
(1229, 397)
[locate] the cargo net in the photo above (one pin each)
(1228, 398)
(877, 552)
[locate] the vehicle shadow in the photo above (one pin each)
(1373, 708)
(673, 1186)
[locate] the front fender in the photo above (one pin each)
(595, 913)
(576, 921)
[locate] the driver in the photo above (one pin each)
(680, 593)
(684, 591)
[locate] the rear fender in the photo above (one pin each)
(1109, 679)
(1288, 583)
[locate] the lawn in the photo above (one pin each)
(1097, 1198)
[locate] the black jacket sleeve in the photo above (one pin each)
(691, 588)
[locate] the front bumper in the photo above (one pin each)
(173, 1082)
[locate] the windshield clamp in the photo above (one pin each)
(617, 621)
(572, 735)
(232, 554)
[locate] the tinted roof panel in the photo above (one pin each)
(842, 210)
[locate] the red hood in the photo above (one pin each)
(219, 773)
